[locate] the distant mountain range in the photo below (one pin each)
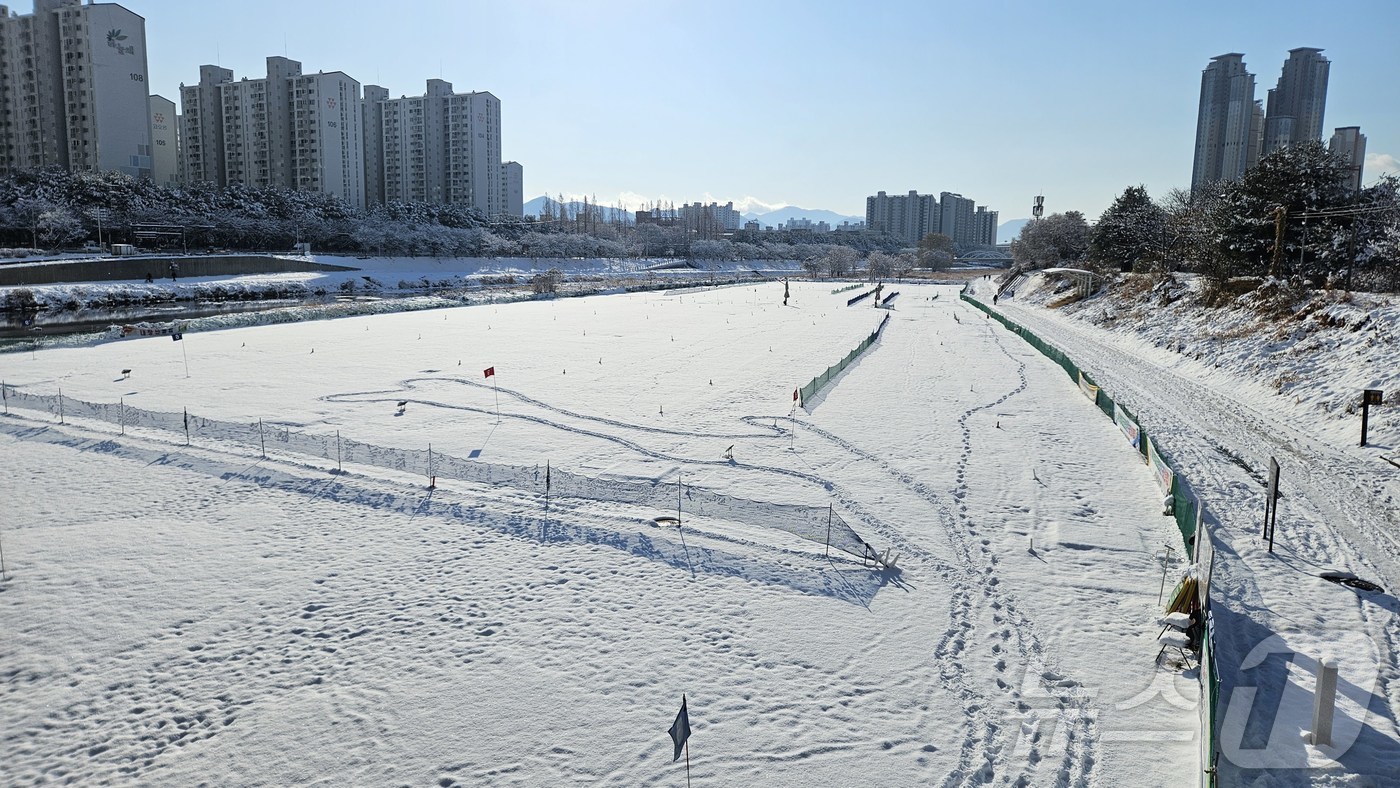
(1007, 231)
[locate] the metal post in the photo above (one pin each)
(262, 439)
(186, 355)
(187, 426)
(432, 480)
(337, 452)
(2, 560)
(678, 500)
(5, 394)
(1365, 416)
(1324, 701)
(60, 406)
(121, 413)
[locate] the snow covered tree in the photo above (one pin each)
(936, 251)
(880, 265)
(840, 260)
(1129, 234)
(1266, 225)
(1058, 239)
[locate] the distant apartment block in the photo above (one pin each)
(1297, 105)
(1229, 123)
(850, 227)
(1349, 144)
(984, 227)
(73, 88)
(908, 216)
(442, 147)
(803, 224)
(955, 217)
(513, 183)
(165, 142)
(710, 221)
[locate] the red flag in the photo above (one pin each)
(794, 395)
(490, 371)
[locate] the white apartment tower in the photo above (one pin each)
(202, 127)
(909, 217)
(442, 147)
(327, 145)
(288, 130)
(955, 220)
(165, 144)
(1229, 123)
(73, 89)
(513, 181)
(984, 224)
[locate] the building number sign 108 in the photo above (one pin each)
(135, 77)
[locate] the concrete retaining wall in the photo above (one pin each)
(107, 269)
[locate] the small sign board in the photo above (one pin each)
(1372, 397)
(1273, 479)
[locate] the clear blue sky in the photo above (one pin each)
(817, 104)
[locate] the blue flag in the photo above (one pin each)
(680, 730)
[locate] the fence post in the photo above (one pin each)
(262, 439)
(187, 426)
(5, 394)
(121, 413)
(1324, 702)
(60, 406)
(337, 452)
(432, 480)
(828, 530)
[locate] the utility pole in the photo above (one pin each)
(1280, 224)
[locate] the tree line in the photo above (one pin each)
(55, 209)
(1293, 217)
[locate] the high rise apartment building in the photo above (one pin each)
(513, 181)
(73, 90)
(710, 221)
(165, 142)
(1295, 107)
(442, 147)
(908, 216)
(287, 130)
(1229, 123)
(984, 227)
(955, 217)
(1349, 144)
(327, 144)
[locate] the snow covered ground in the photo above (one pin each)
(1223, 391)
(179, 614)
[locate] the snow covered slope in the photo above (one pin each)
(1224, 390)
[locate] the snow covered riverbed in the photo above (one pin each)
(196, 613)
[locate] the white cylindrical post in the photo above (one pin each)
(1324, 703)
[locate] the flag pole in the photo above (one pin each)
(497, 389)
(687, 763)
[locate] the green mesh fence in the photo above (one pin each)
(1183, 511)
(810, 390)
